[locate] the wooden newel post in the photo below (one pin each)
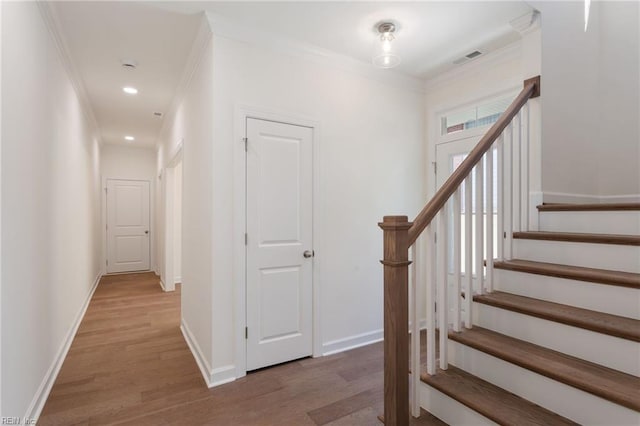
(396, 320)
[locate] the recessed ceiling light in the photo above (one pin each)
(130, 90)
(130, 138)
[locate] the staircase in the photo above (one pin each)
(556, 342)
(536, 311)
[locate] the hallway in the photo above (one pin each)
(129, 364)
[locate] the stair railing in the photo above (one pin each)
(508, 141)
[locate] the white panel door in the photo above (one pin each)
(127, 225)
(279, 230)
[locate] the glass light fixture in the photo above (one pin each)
(384, 55)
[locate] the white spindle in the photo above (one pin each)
(456, 260)
(489, 217)
(468, 251)
(443, 272)
(431, 300)
(479, 235)
(524, 163)
(515, 147)
(508, 193)
(500, 192)
(415, 331)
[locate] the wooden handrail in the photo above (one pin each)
(531, 90)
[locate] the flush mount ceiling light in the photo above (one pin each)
(130, 90)
(384, 54)
(129, 138)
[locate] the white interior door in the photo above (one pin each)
(279, 235)
(127, 225)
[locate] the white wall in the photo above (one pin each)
(191, 125)
(50, 209)
(590, 90)
(497, 73)
(371, 152)
(177, 224)
(130, 162)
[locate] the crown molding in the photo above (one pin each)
(201, 41)
(223, 27)
(52, 23)
(510, 52)
(526, 23)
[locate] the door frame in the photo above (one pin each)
(241, 114)
(167, 274)
(103, 224)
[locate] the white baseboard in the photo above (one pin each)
(352, 342)
(177, 280)
(222, 375)
(37, 404)
(560, 197)
(162, 285)
(212, 377)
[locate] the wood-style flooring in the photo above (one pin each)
(129, 364)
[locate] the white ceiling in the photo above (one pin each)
(99, 35)
(159, 36)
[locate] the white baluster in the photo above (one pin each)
(524, 163)
(489, 217)
(443, 272)
(431, 300)
(468, 251)
(500, 196)
(415, 331)
(479, 234)
(456, 261)
(508, 192)
(516, 184)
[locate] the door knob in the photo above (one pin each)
(308, 253)
(146, 232)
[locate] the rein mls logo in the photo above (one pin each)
(17, 421)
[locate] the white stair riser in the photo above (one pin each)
(610, 299)
(595, 222)
(609, 351)
(562, 399)
(601, 256)
(448, 409)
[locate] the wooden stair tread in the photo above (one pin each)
(613, 325)
(613, 385)
(574, 237)
(491, 401)
(601, 276)
(588, 207)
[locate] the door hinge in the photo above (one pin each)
(106, 190)
(435, 238)
(435, 167)
(246, 332)
(246, 239)
(246, 143)
(107, 262)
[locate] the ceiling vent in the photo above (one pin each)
(129, 64)
(467, 57)
(157, 114)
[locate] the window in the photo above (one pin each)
(478, 116)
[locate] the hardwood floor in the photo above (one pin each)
(129, 364)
